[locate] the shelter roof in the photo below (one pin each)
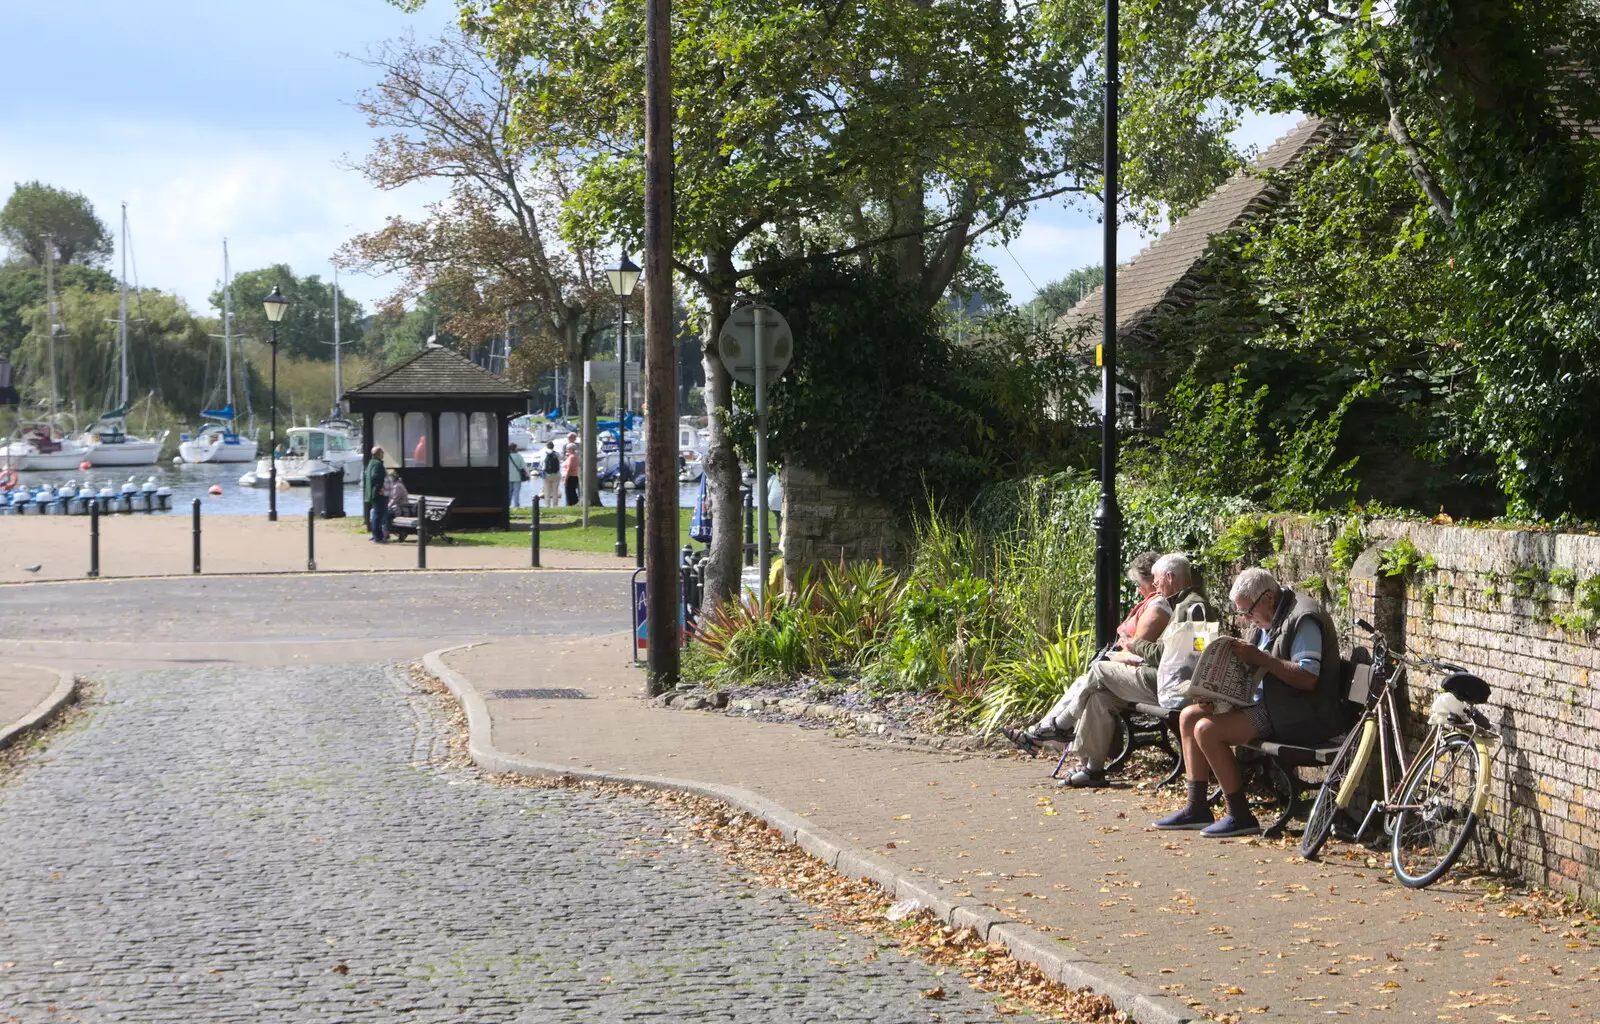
(436, 372)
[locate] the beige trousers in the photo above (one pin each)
(1090, 707)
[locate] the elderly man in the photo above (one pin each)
(1297, 700)
(1086, 715)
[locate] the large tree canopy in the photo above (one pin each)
(306, 330)
(38, 219)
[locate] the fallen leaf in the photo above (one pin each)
(936, 992)
(902, 817)
(340, 969)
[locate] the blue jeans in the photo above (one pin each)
(378, 520)
(515, 488)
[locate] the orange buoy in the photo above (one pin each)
(215, 489)
(84, 464)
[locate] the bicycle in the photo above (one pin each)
(1432, 809)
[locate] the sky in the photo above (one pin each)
(217, 118)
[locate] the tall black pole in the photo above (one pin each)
(622, 430)
(272, 437)
(661, 357)
(1108, 516)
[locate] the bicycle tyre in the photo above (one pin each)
(1450, 797)
(1319, 823)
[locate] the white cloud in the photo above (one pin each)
(278, 200)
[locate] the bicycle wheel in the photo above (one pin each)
(1357, 748)
(1439, 812)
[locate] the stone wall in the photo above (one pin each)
(1487, 603)
(823, 523)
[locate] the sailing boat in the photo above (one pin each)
(43, 445)
(216, 440)
(108, 439)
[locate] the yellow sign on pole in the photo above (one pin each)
(1099, 355)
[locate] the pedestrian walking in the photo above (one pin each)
(569, 472)
(372, 488)
(516, 475)
(550, 474)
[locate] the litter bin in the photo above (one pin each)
(327, 494)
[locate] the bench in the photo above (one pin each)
(1152, 725)
(437, 512)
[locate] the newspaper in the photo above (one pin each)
(1222, 678)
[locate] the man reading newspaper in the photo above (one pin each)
(1295, 698)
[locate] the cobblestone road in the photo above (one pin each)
(283, 845)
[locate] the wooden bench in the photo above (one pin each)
(437, 512)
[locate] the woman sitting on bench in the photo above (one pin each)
(1297, 700)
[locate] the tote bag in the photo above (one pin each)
(1181, 646)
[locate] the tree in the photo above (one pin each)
(22, 284)
(306, 330)
(1057, 297)
(39, 217)
(1489, 107)
(490, 250)
(809, 133)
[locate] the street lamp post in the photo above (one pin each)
(275, 305)
(1108, 515)
(623, 277)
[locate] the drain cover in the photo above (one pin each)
(562, 694)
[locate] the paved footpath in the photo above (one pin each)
(282, 844)
(1241, 925)
(22, 689)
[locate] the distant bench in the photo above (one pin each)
(435, 510)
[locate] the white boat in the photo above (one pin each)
(217, 440)
(108, 440)
(42, 447)
(692, 445)
(308, 450)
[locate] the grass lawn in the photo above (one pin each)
(559, 530)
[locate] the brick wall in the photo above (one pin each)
(1488, 605)
(823, 523)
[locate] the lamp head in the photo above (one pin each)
(623, 276)
(275, 305)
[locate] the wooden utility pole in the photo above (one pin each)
(661, 359)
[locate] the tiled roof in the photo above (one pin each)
(437, 371)
(1155, 277)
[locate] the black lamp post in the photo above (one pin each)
(623, 277)
(275, 305)
(1108, 515)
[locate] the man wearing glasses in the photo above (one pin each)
(1086, 715)
(1296, 702)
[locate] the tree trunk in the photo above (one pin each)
(724, 563)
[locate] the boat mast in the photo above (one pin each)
(50, 299)
(227, 327)
(122, 309)
(338, 379)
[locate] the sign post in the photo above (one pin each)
(756, 345)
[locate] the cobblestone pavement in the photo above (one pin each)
(249, 844)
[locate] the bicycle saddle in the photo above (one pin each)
(1466, 686)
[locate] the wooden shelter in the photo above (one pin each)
(441, 421)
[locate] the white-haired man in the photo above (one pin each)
(1297, 701)
(1086, 715)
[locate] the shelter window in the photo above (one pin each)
(418, 447)
(483, 440)
(386, 435)
(452, 439)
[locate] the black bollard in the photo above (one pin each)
(622, 513)
(311, 540)
(196, 507)
(533, 532)
(749, 528)
(638, 532)
(94, 537)
(422, 533)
